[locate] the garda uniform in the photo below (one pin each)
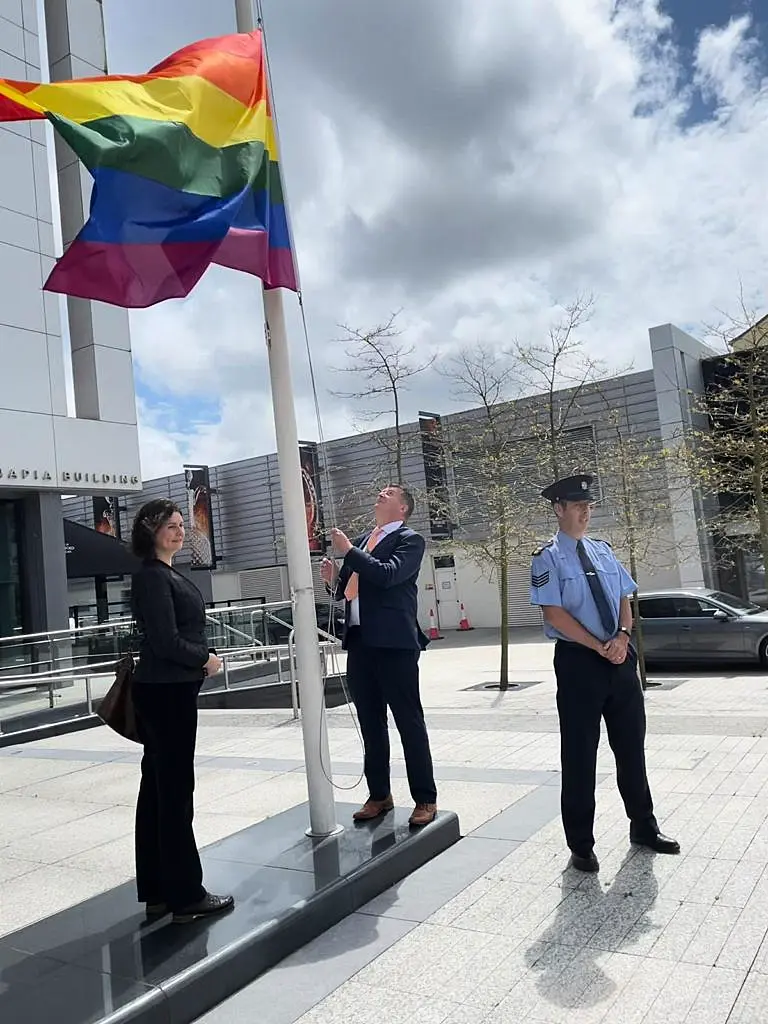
(585, 578)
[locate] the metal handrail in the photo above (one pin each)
(56, 633)
(48, 679)
(113, 623)
(233, 629)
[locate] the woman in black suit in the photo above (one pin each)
(174, 658)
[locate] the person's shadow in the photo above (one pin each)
(590, 922)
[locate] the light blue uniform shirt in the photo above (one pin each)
(558, 578)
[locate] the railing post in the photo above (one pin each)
(292, 670)
(88, 696)
(225, 659)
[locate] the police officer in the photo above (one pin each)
(583, 591)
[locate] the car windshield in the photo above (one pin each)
(736, 604)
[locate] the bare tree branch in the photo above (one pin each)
(386, 366)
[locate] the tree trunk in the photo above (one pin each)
(638, 630)
(762, 511)
(504, 598)
(639, 636)
(398, 441)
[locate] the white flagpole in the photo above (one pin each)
(322, 812)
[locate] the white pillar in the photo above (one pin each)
(322, 812)
(99, 333)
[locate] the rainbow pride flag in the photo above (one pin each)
(185, 170)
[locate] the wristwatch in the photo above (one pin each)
(627, 632)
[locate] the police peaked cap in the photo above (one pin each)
(570, 488)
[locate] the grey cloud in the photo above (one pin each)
(467, 121)
(435, 235)
(399, 63)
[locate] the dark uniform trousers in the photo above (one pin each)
(379, 677)
(589, 688)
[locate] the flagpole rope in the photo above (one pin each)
(328, 501)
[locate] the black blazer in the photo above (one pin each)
(387, 590)
(170, 615)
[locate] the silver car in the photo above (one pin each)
(702, 625)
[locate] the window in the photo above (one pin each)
(736, 604)
(693, 608)
(657, 608)
(444, 561)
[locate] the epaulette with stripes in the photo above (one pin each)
(543, 547)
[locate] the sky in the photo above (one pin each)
(474, 172)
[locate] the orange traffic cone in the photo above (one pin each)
(433, 633)
(464, 621)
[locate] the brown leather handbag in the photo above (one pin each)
(116, 708)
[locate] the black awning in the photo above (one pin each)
(90, 553)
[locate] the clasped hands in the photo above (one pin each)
(615, 650)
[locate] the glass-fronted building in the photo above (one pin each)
(67, 403)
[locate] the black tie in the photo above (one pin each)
(603, 607)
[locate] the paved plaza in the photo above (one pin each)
(497, 929)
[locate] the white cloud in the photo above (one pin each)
(477, 171)
(726, 66)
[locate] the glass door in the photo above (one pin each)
(10, 575)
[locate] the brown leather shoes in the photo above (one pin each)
(423, 814)
(374, 809)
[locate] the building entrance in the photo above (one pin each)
(10, 570)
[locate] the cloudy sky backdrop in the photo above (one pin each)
(474, 163)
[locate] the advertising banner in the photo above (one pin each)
(200, 523)
(436, 476)
(106, 517)
(310, 478)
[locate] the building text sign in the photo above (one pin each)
(27, 476)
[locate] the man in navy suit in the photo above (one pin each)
(383, 641)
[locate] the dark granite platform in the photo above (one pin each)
(101, 961)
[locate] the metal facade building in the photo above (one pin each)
(247, 508)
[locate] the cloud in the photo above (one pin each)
(476, 171)
(726, 69)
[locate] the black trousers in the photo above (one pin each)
(168, 868)
(381, 677)
(589, 688)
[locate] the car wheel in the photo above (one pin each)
(763, 652)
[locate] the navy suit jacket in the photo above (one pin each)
(387, 590)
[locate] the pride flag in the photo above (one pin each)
(185, 170)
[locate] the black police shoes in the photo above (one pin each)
(585, 862)
(657, 842)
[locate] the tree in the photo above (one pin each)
(557, 371)
(386, 367)
(483, 451)
(634, 482)
(727, 453)
(631, 465)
